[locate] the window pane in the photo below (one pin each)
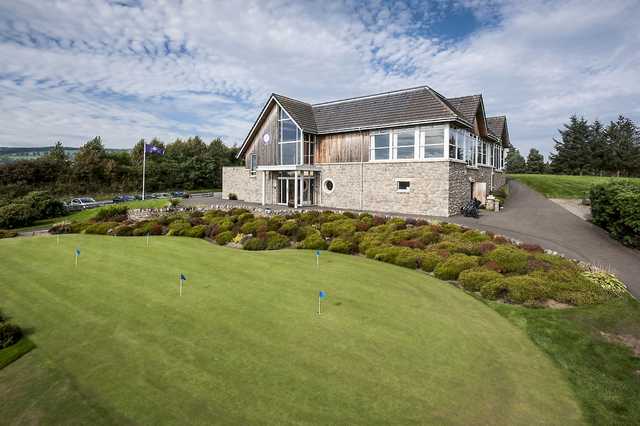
(289, 131)
(404, 153)
(434, 151)
(404, 185)
(381, 141)
(288, 153)
(381, 154)
(434, 135)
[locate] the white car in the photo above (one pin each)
(83, 203)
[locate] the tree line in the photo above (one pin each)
(186, 164)
(585, 148)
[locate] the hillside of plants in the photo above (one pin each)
(489, 265)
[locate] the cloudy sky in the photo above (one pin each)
(131, 69)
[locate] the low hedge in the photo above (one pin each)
(10, 334)
(224, 238)
(615, 206)
(101, 228)
(474, 279)
(451, 268)
(7, 234)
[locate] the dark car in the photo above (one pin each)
(180, 194)
(123, 198)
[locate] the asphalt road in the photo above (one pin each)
(530, 217)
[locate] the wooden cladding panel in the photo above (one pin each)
(266, 152)
(343, 148)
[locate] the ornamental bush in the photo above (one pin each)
(340, 245)
(16, 215)
(509, 259)
(314, 241)
(123, 231)
(7, 234)
(526, 289)
(289, 227)
(101, 228)
(9, 334)
(179, 228)
(338, 228)
(615, 206)
(224, 238)
(474, 279)
(409, 258)
(451, 268)
(196, 231)
(276, 241)
(255, 244)
(429, 260)
(116, 213)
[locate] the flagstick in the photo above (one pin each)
(147, 240)
(180, 286)
(144, 165)
(76, 260)
(319, 300)
(58, 239)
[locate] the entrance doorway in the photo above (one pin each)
(286, 189)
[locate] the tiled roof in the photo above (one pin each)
(467, 105)
(496, 125)
(300, 112)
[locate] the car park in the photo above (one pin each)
(123, 198)
(180, 194)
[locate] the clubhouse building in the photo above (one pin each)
(410, 151)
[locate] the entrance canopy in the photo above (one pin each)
(289, 168)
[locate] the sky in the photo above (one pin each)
(132, 69)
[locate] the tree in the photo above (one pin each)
(623, 140)
(515, 162)
(535, 162)
(600, 152)
(57, 153)
(573, 153)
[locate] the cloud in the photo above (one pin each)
(166, 69)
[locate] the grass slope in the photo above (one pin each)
(561, 186)
(244, 345)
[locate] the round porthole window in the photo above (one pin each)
(328, 186)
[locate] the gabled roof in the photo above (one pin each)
(498, 127)
(418, 105)
(300, 112)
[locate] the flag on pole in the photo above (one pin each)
(321, 295)
(317, 257)
(152, 149)
(182, 279)
(77, 255)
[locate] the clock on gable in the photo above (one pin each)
(266, 138)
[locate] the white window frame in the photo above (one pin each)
(299, 138)
(443, 143)
(253, 164)
(403, 191)
(373, 149)
(324, 186)
(397, 133)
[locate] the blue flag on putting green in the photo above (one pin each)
(182, 277)
(77, 252)
(322, 294)
(317, 252)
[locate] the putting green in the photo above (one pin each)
(245, 345)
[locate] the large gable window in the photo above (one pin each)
(290, 137)
(456, 144)
(380, 146)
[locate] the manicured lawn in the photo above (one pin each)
(559, 186)
(84, 215)
(244, 344)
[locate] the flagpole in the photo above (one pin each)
(144, 165)
(180, 286)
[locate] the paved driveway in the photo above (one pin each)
(530, 217)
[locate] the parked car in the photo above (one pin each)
(123, 198)
(161, 195)
(180, 194)
(81, 203)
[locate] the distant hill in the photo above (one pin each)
(10, 154)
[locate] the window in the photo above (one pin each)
(470, 149)
(456, 144)
(309, 148)
(405, 144)
(253, 164)
(328, 186)
(290, 136)
(403, 185)
(380, 146)
(433, 142)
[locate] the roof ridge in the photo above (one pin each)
(356, 98)
(290, 98)
(447, 104)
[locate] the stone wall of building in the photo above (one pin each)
(460, 179)
(373, 186)
(237, 180)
